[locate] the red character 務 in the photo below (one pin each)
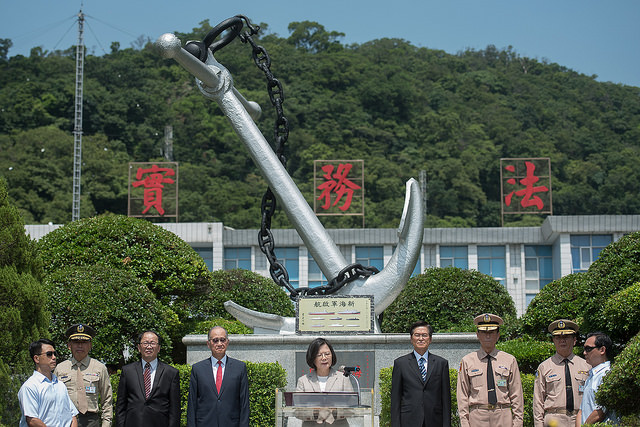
(339, 184)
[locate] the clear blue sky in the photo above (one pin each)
(589, 36)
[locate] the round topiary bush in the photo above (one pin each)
(617, 268)
(620, 389)
(248, 289)
(114, 302)
(564, 298)
(448, 298)
(166, 264)
(621, 313)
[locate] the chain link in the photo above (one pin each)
(266, 242)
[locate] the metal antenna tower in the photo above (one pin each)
(77, 129)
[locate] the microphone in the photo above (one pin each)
(346, 370)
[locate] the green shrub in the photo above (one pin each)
(24, 317)
(617, 268)
(447, 298)
(529, 352)
(564, 298)
(527, 388)
(621, 313)
(231, 326)
(166, 264)
(385, 394)
(160, 260)
(620, 389)
(248, 289)
(264, 378)
(115, 302)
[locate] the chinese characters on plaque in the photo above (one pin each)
(335, 314)
(153, 190)
(525, 186)
(338, 187)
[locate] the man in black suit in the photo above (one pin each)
(420, 391)
(219, 387)
(149, 390)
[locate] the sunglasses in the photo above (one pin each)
(49, 354)
(588, 348)
(217, 340)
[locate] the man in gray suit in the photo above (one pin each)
(420, 391)
(219, 387)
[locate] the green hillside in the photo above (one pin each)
(399, 107)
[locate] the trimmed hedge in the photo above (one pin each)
(176, 276)
(264, 378)
(385, 394)
(448, 298)
(248, 289)
(621, 313)
(529, 352)
(564, 298)
(617, 268)
(620, 388)
(231, 326)
(113, 301)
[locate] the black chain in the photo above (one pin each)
(266, 242)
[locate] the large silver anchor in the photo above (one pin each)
(215, 82)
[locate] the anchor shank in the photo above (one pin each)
(317, 240)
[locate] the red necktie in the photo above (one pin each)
(219, 376)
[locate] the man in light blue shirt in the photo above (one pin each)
(44, 400)
(597, 348)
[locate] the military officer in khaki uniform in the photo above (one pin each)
(489, 385)
(87, 380)
(559, 384)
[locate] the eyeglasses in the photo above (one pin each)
(421, 335)
(218, 340)
(321, 355)
(588, 348)
(148, 344)
(49, 353)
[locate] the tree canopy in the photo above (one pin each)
(402, 108)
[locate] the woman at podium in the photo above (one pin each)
(323, 378)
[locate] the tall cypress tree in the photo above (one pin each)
(23, 303)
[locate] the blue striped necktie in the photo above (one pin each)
(423, 370)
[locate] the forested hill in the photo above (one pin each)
(401, 108)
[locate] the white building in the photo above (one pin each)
(523, 259)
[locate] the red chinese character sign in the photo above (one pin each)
(525, 186)
(338, 187)
(153, 190)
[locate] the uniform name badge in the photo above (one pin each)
(581, 388)
(501, 383)
(90, 389)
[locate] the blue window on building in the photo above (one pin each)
(288, 257)
(315, 277)
(207, 255)
(237, 258)
(454, 256)
(492, 261)
(586, 248)
(538, 263)
(370, 256)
